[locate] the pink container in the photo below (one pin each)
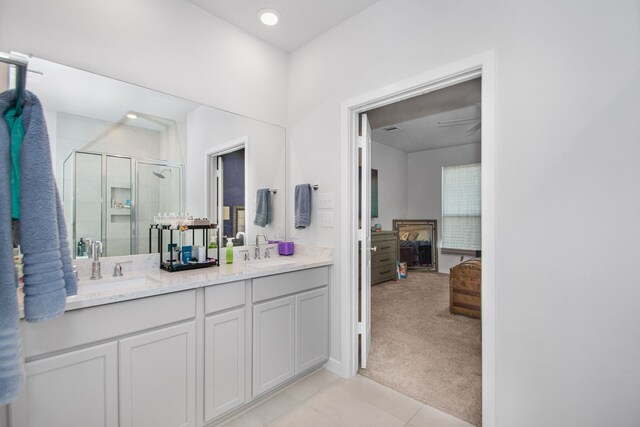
(285, 248)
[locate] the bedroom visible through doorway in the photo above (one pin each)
(426, 221)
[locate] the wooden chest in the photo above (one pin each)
(464, 288)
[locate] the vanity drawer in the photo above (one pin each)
(223, 297)
(289, 283)
(84, 326)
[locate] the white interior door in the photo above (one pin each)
(220, 200)
(365, 241)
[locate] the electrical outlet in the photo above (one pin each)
(327, 219)
(325, 201)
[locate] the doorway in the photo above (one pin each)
(425, 153)
(357, 330)
(227, 193)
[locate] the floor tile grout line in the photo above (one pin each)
(415, 414)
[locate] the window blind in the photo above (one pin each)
(461, 207)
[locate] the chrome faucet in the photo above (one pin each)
(244, 237)
(117, 269)
(94, 250)
(257, 250)
(245, 252)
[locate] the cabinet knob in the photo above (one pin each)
(373, 249)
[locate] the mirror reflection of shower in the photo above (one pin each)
(113, 199)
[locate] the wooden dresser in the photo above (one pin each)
(464, 288)
(383, 260)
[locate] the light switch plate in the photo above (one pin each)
(325, 201)
(327, 219)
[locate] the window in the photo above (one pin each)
(461, 208)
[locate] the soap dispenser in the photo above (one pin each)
(81, 248)
(230, 250)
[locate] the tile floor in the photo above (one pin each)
(323, 399)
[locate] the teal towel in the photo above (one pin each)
(16, 135)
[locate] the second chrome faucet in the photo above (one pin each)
(94, 250)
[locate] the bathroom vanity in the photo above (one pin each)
(190, 349)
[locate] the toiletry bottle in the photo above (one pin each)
(213, 244)
(81, 249)
(230, 250)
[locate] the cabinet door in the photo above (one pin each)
(157, 378)
(79, 388)
(273, 331)
(224, 356)
(312, 329)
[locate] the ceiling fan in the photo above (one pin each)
(462, 122)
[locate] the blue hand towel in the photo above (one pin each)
(263, 207)
(303, 205)
(42, 227)
(48, 272)
(11, 369)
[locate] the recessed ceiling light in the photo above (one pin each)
(269, 17)
(132, 116)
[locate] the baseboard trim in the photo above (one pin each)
(334, 366)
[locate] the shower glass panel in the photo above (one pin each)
(118, 224)
(114, 198)
(159, 190)
(88, 199)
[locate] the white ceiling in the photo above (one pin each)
(418, 119)
(300, 20)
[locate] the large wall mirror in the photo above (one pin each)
(123, 154)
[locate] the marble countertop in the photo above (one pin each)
(143, 278)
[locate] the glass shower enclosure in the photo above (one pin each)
(113, 198)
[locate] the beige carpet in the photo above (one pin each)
(420, 350)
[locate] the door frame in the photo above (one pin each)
(220, 150)
(480, 65)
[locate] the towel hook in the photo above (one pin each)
(273, 190)
(21, 76)
(314, 186)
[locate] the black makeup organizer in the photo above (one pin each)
(173, 264)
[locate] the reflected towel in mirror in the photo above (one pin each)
(263, 207)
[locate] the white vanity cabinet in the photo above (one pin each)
(181, 359)
(273, 343)
(79, 388)
(143, 375)
(312, 328)
(224, 349)
(290, 326)
(158, 377)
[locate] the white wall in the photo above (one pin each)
(567, 240)
(168, 45)
(425, 188)
(392, 166)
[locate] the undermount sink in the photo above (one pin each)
(115, 284)
(269, 263)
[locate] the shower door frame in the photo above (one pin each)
(134, 178)
(181, 201)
